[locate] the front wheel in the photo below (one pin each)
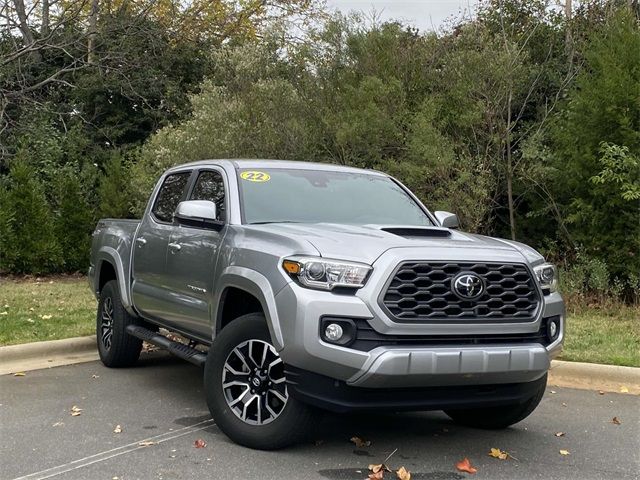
(495, 418)
(246, 389)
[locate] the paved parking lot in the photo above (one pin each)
(161, 401)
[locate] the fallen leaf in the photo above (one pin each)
(146, 443)
(75, 411)
(379, 467)
(464, 465)
(564, 452)
(359, 442)
(200, 443)
(497, 453)
(19, 374)
(559, 434)
(624, 389)
(379, 475)
(403, 474)
(616, 421)
(118, 429)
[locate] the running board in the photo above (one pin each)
(178, 349)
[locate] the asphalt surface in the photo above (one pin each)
(162, 401)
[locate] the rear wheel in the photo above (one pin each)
(495, 418)
(246, 389)
(116, 347)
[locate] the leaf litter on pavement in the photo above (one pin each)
(360, 442)
(464, 465)
(499, 454)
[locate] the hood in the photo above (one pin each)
(365, 243)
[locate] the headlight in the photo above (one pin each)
(547, 276)
(326, 274)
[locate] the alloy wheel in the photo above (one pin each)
(106, 323)
(253, 382)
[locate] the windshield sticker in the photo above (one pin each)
(255, 176)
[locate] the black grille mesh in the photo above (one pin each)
(422, 291)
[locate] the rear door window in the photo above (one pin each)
(170, 194)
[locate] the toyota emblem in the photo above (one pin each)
(468, 286)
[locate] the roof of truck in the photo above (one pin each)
(284, 164)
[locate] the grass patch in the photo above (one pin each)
(35, 309)
(603, 334)
(597, 334)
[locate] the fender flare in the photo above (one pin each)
(257, 285)
(111, 255)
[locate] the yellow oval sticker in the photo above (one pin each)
(255, 176)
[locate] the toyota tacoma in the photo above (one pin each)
(302, 286)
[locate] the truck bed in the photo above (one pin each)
(113, 242)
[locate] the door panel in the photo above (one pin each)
(192, 258)
(150, 292)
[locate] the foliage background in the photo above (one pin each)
(523, 120)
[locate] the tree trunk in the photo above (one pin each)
(93, 21)
(568, 40)
(22, 19)
(45, 18)
(509, 172)
(27, 35)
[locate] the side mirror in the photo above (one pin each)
(197, 213)
(447, 219)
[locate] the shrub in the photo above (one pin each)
(73, 220)
(29, 243)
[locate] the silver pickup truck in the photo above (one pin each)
(304, 286)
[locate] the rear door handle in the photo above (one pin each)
(175, 247)
(141, 241)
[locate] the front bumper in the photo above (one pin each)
(338, 396)
(300, 310)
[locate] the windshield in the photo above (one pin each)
(316, 196)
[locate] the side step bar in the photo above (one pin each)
(178, 349)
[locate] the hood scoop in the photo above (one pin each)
(418, 232)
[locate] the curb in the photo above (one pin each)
(52, 353)
(594, 376)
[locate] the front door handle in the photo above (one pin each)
(141, 241)
(175, 247)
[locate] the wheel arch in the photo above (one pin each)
(109, 267)
(244, 284)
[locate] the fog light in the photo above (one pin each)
(333, 332)
(553, 328)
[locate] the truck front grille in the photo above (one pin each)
(423, 291)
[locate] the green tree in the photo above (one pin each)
(31, 244)
(603, 107)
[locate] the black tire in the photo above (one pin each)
(496, 418)
(117, 349)
(295, 420)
